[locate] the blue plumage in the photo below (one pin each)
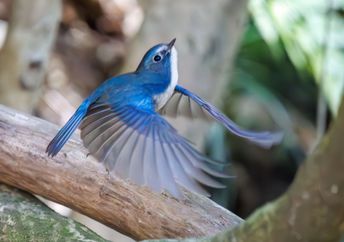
(122, 127)
(66, 132)
(265, 139)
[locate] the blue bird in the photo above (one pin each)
(121, 125)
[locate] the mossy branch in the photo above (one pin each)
(312, 210)
(24, 218)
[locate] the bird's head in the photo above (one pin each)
(161, 58)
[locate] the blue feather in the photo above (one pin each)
(121, 127)
(264, 139)
(67, 130)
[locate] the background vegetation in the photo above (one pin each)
(287, 74)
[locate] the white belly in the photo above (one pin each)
(161, 99)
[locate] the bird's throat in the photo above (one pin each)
(162, 98)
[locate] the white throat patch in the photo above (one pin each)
(161, 99)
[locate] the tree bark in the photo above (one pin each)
(23, 218)
(78, 181)
(313, 207)
(24, 56)
(208, 34)
(312, 210)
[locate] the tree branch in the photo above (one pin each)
(24, 218)
(311, 210)
(79, 182)
(313, 207)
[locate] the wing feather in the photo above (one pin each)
(142, 146)
(174, 107)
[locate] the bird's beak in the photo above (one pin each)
(170, 45)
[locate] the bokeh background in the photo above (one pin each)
(268, 64)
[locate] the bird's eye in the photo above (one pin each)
(157, 58)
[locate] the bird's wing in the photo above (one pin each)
(67, 130)
(73, 123)
(188, 104)
(140, 145)
(180, 104)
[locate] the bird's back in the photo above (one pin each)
(133, 89)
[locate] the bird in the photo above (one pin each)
(123, 125)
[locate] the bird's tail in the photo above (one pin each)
(67, 130)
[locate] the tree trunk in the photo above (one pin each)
(24, 56)
(207, 32)
(312, 210)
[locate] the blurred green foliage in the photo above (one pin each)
(311, 33)
(271, 80)
(290, 50)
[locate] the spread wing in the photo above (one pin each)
(182, 105)
(140, 145)
(183, 102)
